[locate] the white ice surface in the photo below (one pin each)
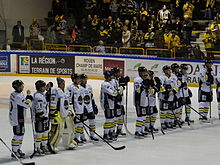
(195, 145)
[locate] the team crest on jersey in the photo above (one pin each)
(86, 99)
(80, 100)
(66, 104)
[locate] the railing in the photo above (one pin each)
(56, 47)
(36, 44)
(160, 52)
(126, 50)
(20, 45)
(108, 49)
(212, 54)
(80, 48)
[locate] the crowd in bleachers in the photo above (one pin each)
(130, 23)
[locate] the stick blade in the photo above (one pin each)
(119, 148)
(30, 163)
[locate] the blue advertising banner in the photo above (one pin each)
(5, 64)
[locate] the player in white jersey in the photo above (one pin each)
(17, 106)
(152, 111)
(90, 108)
(140, 101)
(108, 95)
(205, 88)
(167, 97)
(76, 101)
(177, 101)
(185, 92)
(119, 84)
(59, 110)
(40, 114)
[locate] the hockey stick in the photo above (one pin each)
(115, 148)
(204, 117)
(210, 103)
(31, 163)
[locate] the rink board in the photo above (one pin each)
(92, 64)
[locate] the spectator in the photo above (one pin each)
(7, 45)
(126, 36)
(100, 48)
(51, 33)
(131, 9)
(197, 53)
(164, 15)
(109, 22)
(149, 38)
(18, 32)
(166, 35)
(159, 39)
(102, 34)
(143, 13)
(34, 29)
(127, 23)
(75, 35)
(143, 25)
(173, 41)
(123, 10)
(114, 9)
(134, 24)
(188, 10)
(61, 29)
(94, 23)
(187, 30)
(209, 39)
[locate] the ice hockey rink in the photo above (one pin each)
(198, 144)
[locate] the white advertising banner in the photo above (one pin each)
(157, 65)
(92, 66)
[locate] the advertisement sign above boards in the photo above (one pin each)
(5, 64)
(110, 63)
(157, 65)
(46, 64)
(92, 66)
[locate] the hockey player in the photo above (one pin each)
(185, 92)
(76, 101)
(40, 114)
(117, 81)
(59, 110)
(166, 98)
(108, 95)
(90, 108)
(205, 88)
(141, 101)
(218, 92)
(152, 111)
(177, 102)
(18, 105)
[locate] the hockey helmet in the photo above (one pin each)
(16, 84)
(39, 84)
(83, 76)
(107, 74)
(115, 70)
(184, 66)
(166, 67)
(150, 72)
(174, 66)
(60, 80)
(75, 76)
(142, 69)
